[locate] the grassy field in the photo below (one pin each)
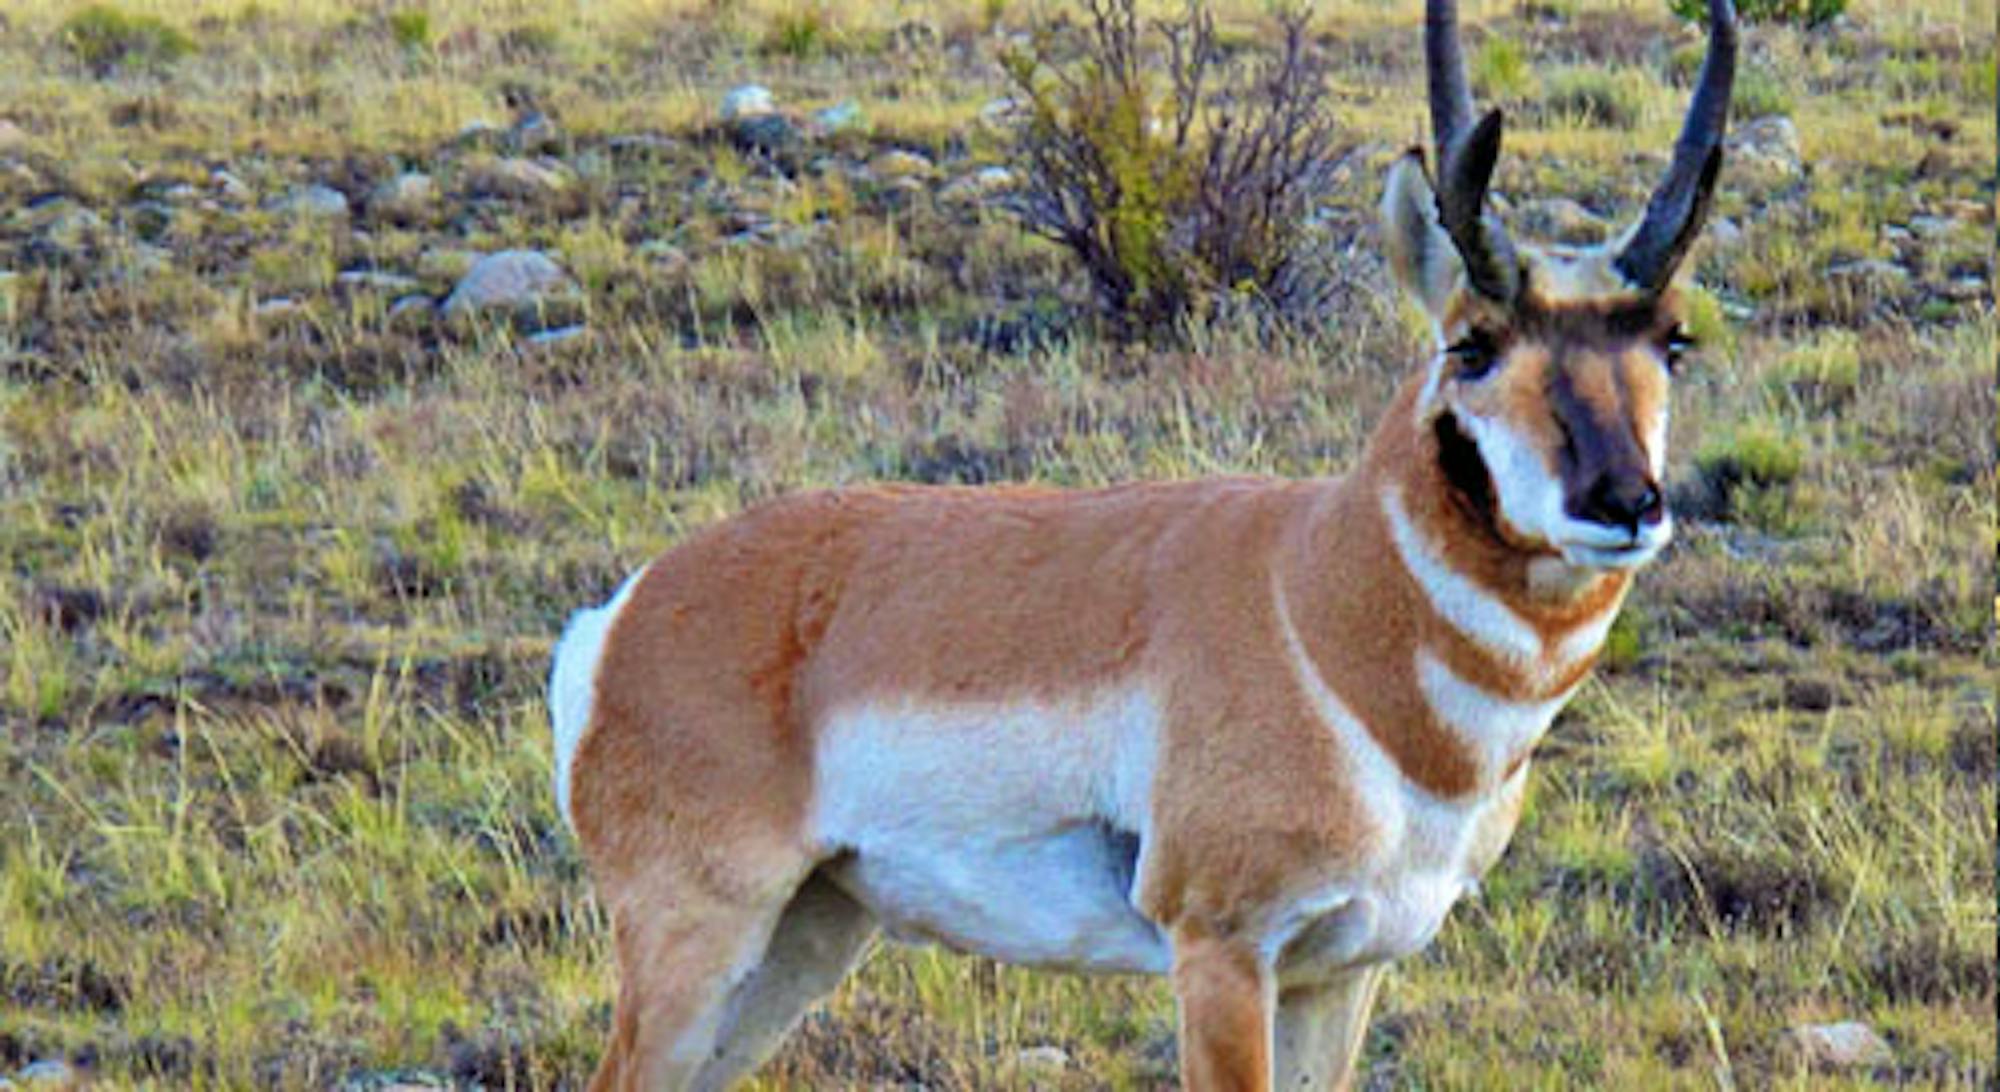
(281, 557)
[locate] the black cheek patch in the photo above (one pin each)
(1458, 458)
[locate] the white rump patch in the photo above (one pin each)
(573, 681)
(1468, 607)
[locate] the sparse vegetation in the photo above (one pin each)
(105, 38)
(1809, 13)
(282, 552)
(1179, 194)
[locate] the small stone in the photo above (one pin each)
(841, 117)
(898, 163)
(315, 200)
(228, 185)
(1046, 1059)
(64, 225)
(404, 196)
(1766, 145)
(534, 134)
(479, 133)
(47, 1073)
(1967, 288)
(1724, 232)
(523, 179)
(277, 307)
(356, 281)
(1560, 220)
(559, 337)
(13, 138)
(1002, 115)
(641, 146)
(1933, 227)
(748, 100)
(1846, 1045)
(1870, 275)
(412, 310)
(516, 279)
(981, 184)
(662, 254)
(766, 133)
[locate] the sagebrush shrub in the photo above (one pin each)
(1810, 13)
(1181, 185)
(104, 38)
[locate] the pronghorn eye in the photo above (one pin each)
(1474, 354)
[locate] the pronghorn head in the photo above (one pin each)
(1549, 394)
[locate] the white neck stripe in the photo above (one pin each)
(1467, 607)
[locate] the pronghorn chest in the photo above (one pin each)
(1430, 853)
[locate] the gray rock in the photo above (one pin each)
(229, 186)
(1002, 115)
(403, 197)
(479, 133)
(1967, 288)
(512, 280)
(277, 307)
(1043, 1059)
(534, 134)
(841, 117)
(1560, 220)
(356, 281)
(523, 179)
(412, 310)
(980, 185)
(560, 337)
(641, 146)
(48, 1073)
(1870, 275)
(1766, 146)
(1724, 232)
(1845, 1045)
(747, 101)
(1934, 227)
(662, 254)
(898, 163)
(65, 226)
(315, 201)
(766, 133)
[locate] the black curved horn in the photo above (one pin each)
(1674, 214)
(1466, 154)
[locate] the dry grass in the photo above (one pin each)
(276, 593)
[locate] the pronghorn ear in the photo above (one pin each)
(1421, 253)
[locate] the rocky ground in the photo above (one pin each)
(343, 352)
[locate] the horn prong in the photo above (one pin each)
(1675, 212)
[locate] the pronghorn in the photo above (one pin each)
(1255, 735)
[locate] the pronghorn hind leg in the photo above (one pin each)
(1320, 1030)
(821, 936)
(1224, 991)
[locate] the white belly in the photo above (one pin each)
(1011, 831)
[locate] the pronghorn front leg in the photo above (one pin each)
(1320, 1029)
(1225, 992)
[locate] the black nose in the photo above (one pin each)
(1622, 500)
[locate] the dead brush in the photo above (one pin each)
(1185, 185)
